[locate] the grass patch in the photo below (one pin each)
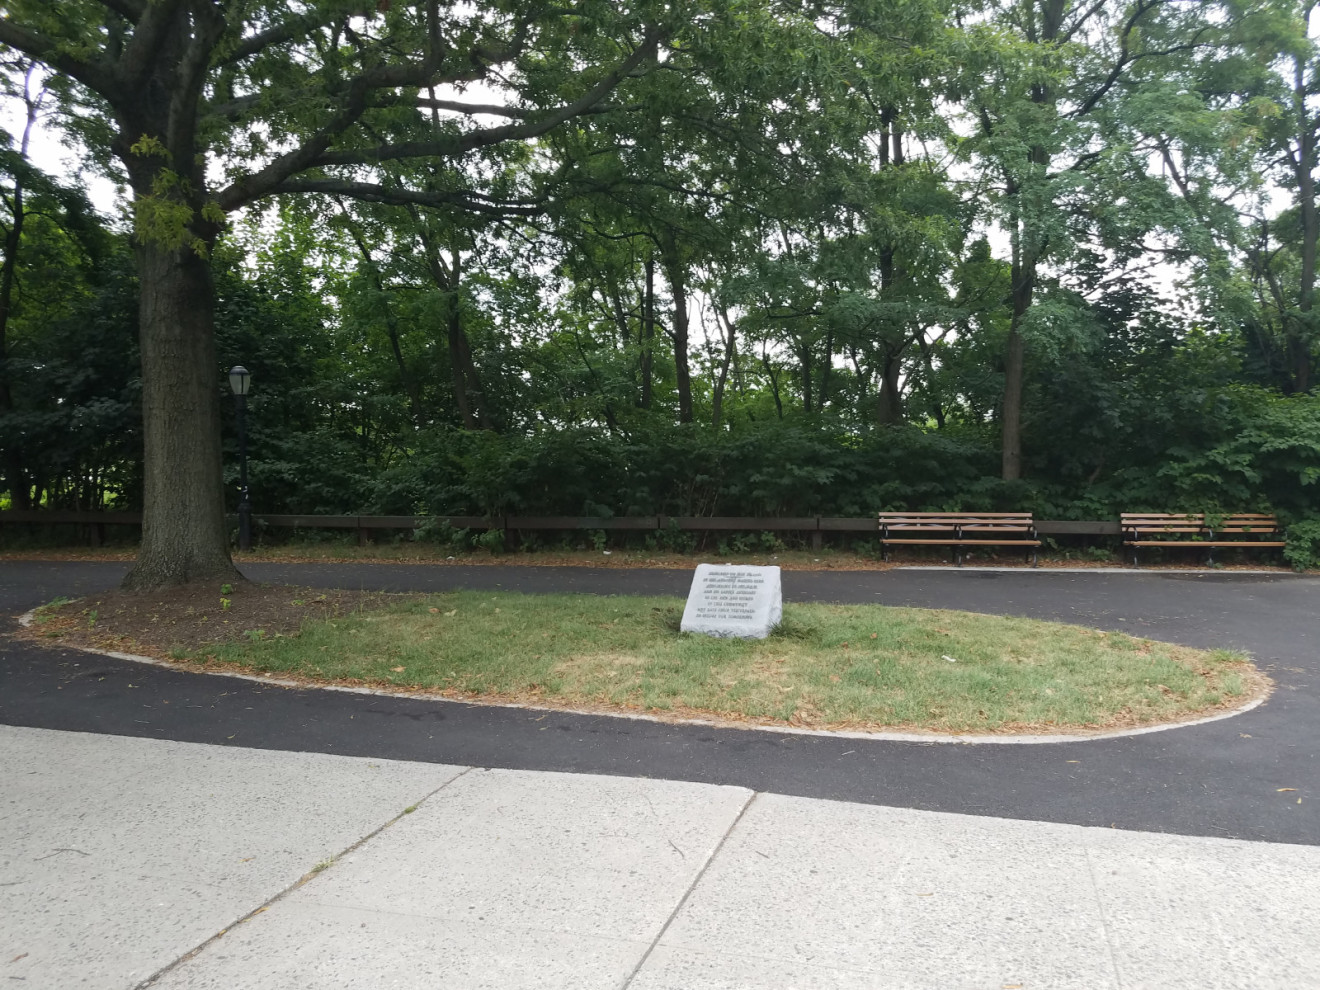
(862, 666)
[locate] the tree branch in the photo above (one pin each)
(235, 108)
(191, 76)
(453, 146)
(496, 110)
(1126, 59)
(393, 196)
(254, 44)
(96, 77)
(130, 10)
(1081, 19)
(144, 44)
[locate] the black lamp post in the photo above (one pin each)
(240, 381)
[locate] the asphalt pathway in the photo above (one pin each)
(1224, 778)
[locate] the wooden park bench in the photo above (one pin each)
(959, 530)
(1244, 530)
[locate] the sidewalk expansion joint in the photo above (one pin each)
(301, 881)
(687, 894)
(1104, 922)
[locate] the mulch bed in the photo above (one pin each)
(194, 615)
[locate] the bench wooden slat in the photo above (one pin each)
(1164, 529)
(1005, 519)
(959, 530)
(950, 543)
(1205, 543)
(1248, 526)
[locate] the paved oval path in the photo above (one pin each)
(1221, 779)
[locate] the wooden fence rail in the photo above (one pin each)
(816, 526)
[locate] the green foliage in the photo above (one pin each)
(1303, 549)
(70, 432)
(492, 541)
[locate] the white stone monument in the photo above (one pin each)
(733, 600)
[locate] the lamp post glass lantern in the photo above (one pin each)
(240, 380)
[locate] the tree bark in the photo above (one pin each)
(1027, 251)
(468, 394)
(676, 273)
(1023, 278)
(773, 377)
(826, 367)
(14, 473)
(183, 524)
(648, 335)
(804, 363)
(467, 383)
(890, 404)
(730, 334)
(19, 491)
(410, 385)
(1304, 163)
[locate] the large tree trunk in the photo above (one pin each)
(14, 473)
(467, 383)
(19, 491)
(410, 386)
(826, 367)
(1023, 278)
(183, 510)
(890, 405)
(676, 272)
(1028, 248)
(646, 363)
(467, 390)
(729, 332)
(1299, 331)
(183, 524)
(468, 393)
(805, 363)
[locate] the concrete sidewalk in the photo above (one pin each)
(122, 860)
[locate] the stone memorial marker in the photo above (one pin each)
(733, 600)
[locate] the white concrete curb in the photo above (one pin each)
(928, 738)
